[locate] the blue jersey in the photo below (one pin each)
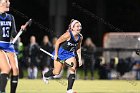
(68, 48)
(71, 45)
(7, 31)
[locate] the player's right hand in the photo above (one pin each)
(56, 57)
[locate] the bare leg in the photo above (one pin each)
(15, 71)
(71, 77)
(57, 69)
(5, 69)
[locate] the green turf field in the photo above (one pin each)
(81, 86)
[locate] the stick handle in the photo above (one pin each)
(28, 23)
(70, 65)
(17, 36)
(46, 52)
(21, 31)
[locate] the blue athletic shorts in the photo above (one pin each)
(8, 47)
(64, 54)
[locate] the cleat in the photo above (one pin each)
(70, 91)
(45, 79)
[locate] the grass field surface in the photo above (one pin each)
(80, 86)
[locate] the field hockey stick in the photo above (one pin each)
(28, 23)
(49, 54)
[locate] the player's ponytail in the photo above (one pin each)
(72, 20)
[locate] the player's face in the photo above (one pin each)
(4, 5)
(77, 27)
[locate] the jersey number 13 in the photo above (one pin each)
(5, 31)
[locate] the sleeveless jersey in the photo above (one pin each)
(68, 48)
(7, 31)
(7, 27)
(71, 45)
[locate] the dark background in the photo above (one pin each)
(98, 17)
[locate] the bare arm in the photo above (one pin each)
(60, 40)
(79, 51)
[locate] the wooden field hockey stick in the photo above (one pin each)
(49, 54)
(21, 31)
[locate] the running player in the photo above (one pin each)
(66, 48)
(8, 58)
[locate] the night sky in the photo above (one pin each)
(97, 17)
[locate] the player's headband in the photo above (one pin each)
(74, 22)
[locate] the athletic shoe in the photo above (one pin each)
(70, 91)
(45, 79)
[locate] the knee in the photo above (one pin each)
(5, 69)
(72, 70)
(15, 70)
